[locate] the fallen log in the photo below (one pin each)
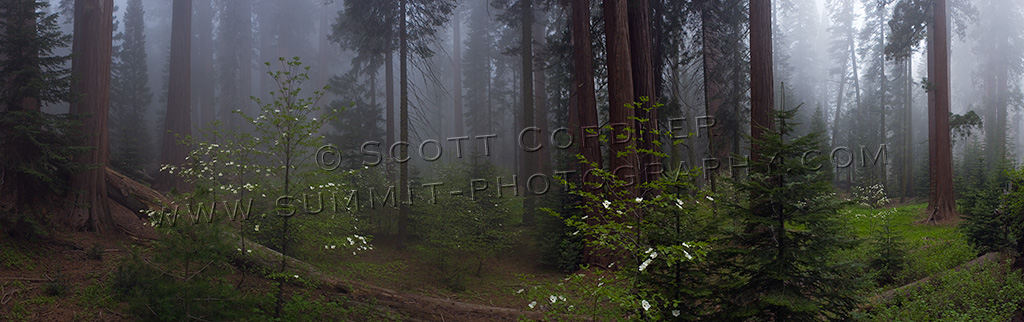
(888, 295)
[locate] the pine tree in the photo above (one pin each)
(782, 254)
(130, 95)
(32, 74)
(35, 148)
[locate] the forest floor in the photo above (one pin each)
(63, 277)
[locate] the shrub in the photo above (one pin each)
(459, 242)
(990, 291)
(871, 196)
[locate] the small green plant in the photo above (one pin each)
(56, 286)
(888, 250)
(94, 253)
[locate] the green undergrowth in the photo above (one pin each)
(930, 249)
(990, 291)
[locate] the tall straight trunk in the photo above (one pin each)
(245, 66)
(620, 89)
(204, 43)
(457, 73)
(839, 106)
(583, 84)
(943, 207)
(526, 164)
(856, 96)
(324, 45)
(908, 147)
(177, 123)
(761, 79)
(267, 34)
(713, 101)
(88, 205)
(642, 61)
(403, 106)
(583, 113)
(540, 101)
(389, 96)
(931, 117)
(883, 134)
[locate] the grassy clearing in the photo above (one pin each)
(930, 248)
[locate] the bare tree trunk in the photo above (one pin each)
(457, 72)
(908, 147)
(403, 105)
(526, 165)
(583, 114)
(177, 123)
(761, 79)
(943, 207)
(713, 101)
(540, 98)
(620, 85)
(856, 96)
(245, 65)
(642, 61)
(883, 135)
(204, 25)
(89, 206)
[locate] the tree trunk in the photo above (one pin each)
(908, 145)
(943, 207)
(457, 73)
(642, 61)
(856, 96)
(245, 67)
(761, 79)
(883, 134)
(526, 165)
(177, 123)
(583, 115)
(540, 101)
(403, 106)
(204, 23)
(711, 55)
(620, 87)
(89, 207)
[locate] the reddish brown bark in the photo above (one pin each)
(642, 61)
(620, 89)
(177, 123)
(762, 94)
(943, 206)
(89, 208)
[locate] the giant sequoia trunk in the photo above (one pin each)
(620, 88)
(762, 94)
(942, 206)
(89, 208)
(642, 61)
(583, 114)
(583, 111)
(178, 122)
